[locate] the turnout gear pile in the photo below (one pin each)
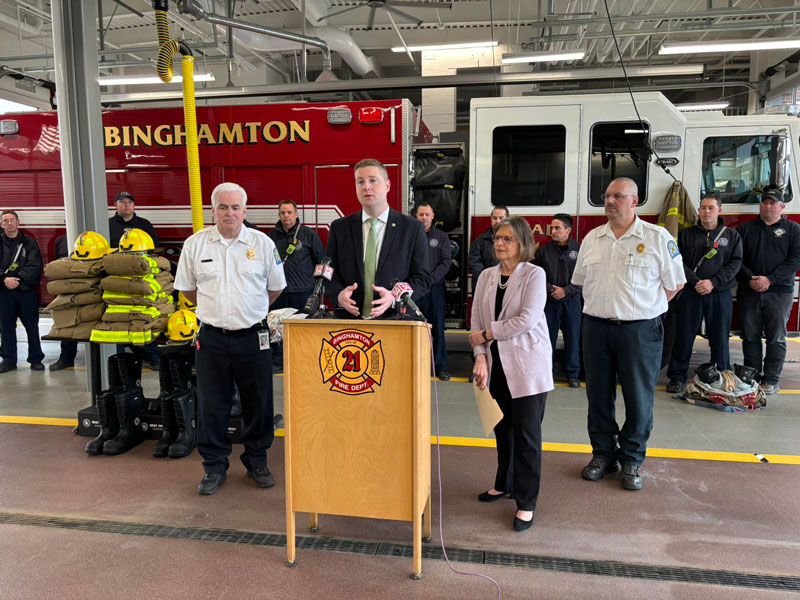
(138, 293)
(75, 281)
(120, 407)
(731, 391)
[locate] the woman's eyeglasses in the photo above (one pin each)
(506, 239)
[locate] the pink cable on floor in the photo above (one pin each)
(439, 473)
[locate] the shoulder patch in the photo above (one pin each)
(672, 248)
(277, 256)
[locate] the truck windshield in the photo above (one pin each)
(618, 150)
(739, 168)
(528, 165)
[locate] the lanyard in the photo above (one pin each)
(291, 247)
(14, 264)
(711, 253)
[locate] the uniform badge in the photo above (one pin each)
(433, 242)
(277, 256)
(251, 254)
(779, 232)
(723, 241)
(573, 254)
(640, 249)
(672, 248)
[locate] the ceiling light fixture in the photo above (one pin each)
(729, 46)
(455, 46)
(702, 106)
(148, 79)
(534, 57)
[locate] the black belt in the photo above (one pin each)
(256, 327)
(615, 321)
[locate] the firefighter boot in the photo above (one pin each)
(114, 377)
(180, 369)
(169, 426)
(185, 407)
(129, 408)
(155, 405)
(130, 370)
(109, 424)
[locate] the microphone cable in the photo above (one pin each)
(439, 471)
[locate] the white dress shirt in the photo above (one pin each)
(625, 278)
(380, 224)
(231, 277)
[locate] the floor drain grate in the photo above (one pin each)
(463, 555)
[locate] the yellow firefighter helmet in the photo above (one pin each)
(182, 326)
(184, 303)
(135, 240)
(89, 246)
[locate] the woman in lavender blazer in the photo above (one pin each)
(511, 343)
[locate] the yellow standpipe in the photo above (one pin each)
(167, 48)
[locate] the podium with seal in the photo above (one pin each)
(358, 423)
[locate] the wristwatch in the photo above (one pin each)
(483, 333)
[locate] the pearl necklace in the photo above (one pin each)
(503, 286)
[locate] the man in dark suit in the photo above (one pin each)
(370, 248)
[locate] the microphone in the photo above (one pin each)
(322, 271)
(402, 294)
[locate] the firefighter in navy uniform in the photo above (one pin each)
(770, 259)
(300, 249)
(20, 273)
(563, 307)
(232, 273)
(126, 218)
(481, 251)
(432, 304)
(712, 255)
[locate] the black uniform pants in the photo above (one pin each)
(221, 360)
(765, 313)
(519, 441)
(566, 315)
(691, 309)
(432, 306)
(628, 353)
(22, 304)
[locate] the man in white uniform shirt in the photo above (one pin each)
(232, 273)
(629, 270)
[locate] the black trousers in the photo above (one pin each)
(628, 353)
(69, 350)
(221, 360)
(519, 442)
(22, 304)
(566, 315)
(767, 313)
(432, 306)
(692, 308)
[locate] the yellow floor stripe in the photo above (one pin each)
(778, 459)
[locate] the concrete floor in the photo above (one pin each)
(719, 515)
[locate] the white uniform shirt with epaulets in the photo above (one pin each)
(625, 278)
(231, 276)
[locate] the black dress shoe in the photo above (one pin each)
(210, 483)
(487, 497)
(262, 477)
(60, 364)
(443, 375)
(631, 480)
(598, 467)
(520, 525)
(37, 367)
(574, 382)
(5, 367)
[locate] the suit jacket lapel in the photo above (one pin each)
(493, 275)
(357, 235)
(388, 237)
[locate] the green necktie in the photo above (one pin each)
(370, 262)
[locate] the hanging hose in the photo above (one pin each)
(167, 48)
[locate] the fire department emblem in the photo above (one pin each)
(352, 361)
(779, 232)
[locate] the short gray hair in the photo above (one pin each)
(627, 181)
(228, 187)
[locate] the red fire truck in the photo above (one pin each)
(537, 155)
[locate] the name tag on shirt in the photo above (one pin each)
(263, 340)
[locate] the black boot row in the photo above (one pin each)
(119, 408)
(178, 407)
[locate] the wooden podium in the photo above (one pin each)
(358, 423)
